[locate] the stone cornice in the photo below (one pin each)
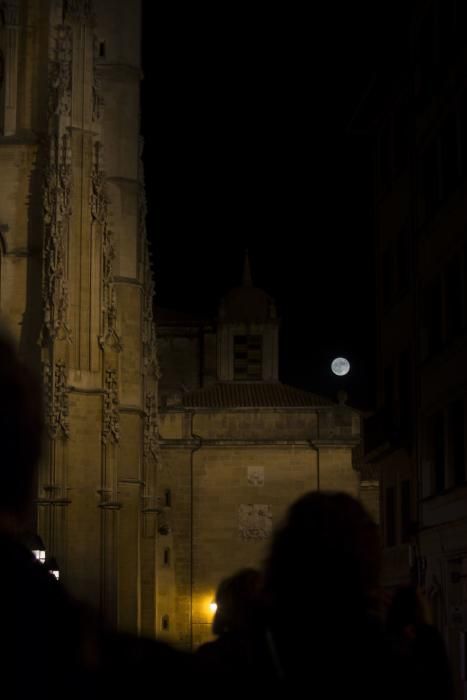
(336, 442)
(231, 442)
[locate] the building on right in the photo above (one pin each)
(417, 119)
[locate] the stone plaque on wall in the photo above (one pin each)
(256, 476)
(254, 521)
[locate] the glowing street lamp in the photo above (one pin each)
(52, 567)
(37, 547)
(213, 606)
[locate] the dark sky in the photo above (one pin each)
(244, 113)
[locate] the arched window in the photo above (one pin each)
(167, 556)
(167, 498)
(165, 623)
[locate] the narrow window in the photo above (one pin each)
(165, 623)
(167, 498)
(167, 556)
(102, 49)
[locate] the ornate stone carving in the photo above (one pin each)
(99, 214)
(254, 521)
(60, 72)
(151, 430)
(57, 212)
(98, 200)
(56, 395)
(255, 476)
(150, 361)
(151, 449)
(151, 453)
(111, 419)
(57, 186)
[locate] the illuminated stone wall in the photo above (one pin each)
(76, 288)
(232, 475)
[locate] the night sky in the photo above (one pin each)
(245, 115)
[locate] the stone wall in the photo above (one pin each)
(76, 289)
(231, 477)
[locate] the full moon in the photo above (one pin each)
(340, 366)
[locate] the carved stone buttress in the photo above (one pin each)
(56, 399)
(150, 361)
(111, 418)
(57, 188)
(100, 214)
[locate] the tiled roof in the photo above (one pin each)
(252, 395)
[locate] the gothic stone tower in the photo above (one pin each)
(76, 287)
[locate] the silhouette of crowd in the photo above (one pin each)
(312, 622)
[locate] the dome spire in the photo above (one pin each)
(247, 281)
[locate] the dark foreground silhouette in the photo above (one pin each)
(317, 627)
(308, 625)
(51, 646)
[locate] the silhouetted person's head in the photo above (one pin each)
(236, 600)
(20, 434)
(324, 560)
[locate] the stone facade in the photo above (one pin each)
(76, 288)
(417, 437)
